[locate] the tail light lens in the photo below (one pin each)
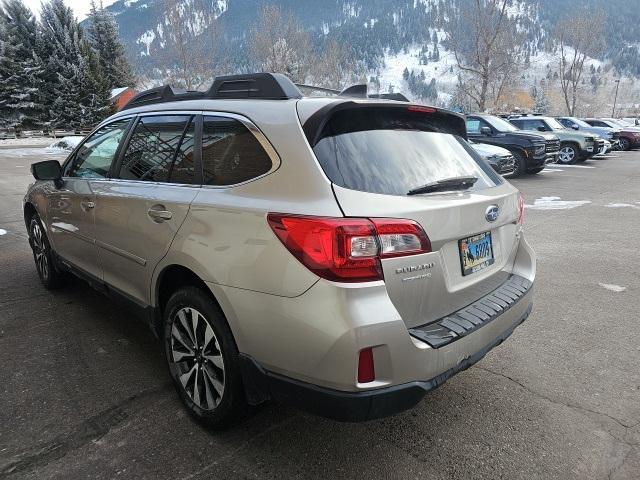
(347, 249)
(520, 209)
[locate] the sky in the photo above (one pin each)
(80, 7)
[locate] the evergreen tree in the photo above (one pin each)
(76, 91)
(540, 98)
(61, 36)
(97, 91)
(104, 38)
(21, 69)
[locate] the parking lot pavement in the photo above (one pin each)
(85, 392)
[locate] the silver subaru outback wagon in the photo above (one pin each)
(343, 254)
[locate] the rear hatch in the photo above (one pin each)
(375, 154)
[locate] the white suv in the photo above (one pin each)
(344, 254)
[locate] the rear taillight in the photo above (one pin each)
(348, 249)
(520, 209)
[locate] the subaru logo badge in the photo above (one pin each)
(492, 213)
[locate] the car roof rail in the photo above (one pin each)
(398, 97)
(262, 86)
(356, 91)
(258, 86)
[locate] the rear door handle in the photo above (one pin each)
(87, 205)
(159, 215)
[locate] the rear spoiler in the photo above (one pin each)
(314, 126)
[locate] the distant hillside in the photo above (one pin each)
(371, 27)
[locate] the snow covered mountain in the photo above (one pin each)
(389, 36)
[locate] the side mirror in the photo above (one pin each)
(575, 126)
(541, 129)
(47, 170)
(485, 131)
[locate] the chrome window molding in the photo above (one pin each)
(252, 127)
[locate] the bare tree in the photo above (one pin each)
(486, 45)
(279, 44)
(335, 66)
(580, 35)
(194, 48)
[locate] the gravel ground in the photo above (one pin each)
(85, 392)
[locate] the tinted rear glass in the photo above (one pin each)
(390, 152)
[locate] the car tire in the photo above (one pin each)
(203, 359)
(625, 144)
(533, 171)
(520, 167)
(568, 154)
(50, 274)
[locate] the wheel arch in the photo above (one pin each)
(29, 211)
(174, 276)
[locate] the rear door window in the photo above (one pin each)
(384, 151)
(231, 154)
(161, 150)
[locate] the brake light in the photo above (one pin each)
(348, 249)
(366, 369)
(520, 209)
(419, 108)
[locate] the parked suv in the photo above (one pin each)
(500, 159)
(531, 151)
(612, 135)
(574, 146)
(343, 254)
(629, 136)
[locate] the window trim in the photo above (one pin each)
(199, 121)
(116, 157)
(117, 165)
(258, 135)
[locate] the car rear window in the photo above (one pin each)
(391, 151)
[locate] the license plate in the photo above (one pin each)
(476, 253)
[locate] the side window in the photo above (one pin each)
(533, 124)
(94, 157)
(230, 152)
(160, 150)
(473, 125)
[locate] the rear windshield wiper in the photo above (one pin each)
(446, 184)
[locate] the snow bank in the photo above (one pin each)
(64, 143)
(22, 142)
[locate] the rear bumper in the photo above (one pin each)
(465, 341)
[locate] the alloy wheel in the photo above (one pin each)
(39, 246)
(197, 358)
(624, 144)
(567, 155)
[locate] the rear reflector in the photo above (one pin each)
(366, 370)
(348, 249)
(520, 209)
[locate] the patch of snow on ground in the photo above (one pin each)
(3, 231)
(562, 165)
(612, 287)
(621, 205)
(555, 203)
(23, 142)
(65, 143)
